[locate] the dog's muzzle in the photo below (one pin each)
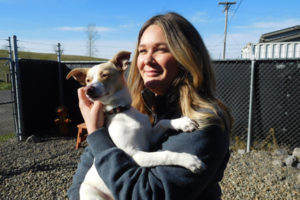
(95, 91)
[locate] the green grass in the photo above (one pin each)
(50, 56)
(4, 54)
(6, 137)
(4, 67)
(4, 86)
(43, 56)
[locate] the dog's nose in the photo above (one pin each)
(90, 90)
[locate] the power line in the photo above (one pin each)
(235, 11)
(38, 43)
(231, 18)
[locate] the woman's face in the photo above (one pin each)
(155, 62)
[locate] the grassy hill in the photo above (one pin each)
(49, 56)
(4, 67)
(42, 56)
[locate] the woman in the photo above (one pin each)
(171, 75)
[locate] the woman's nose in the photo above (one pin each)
(148, 58)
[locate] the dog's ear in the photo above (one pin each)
(120, 60)
(79, 74)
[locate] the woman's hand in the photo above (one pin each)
(92, 112)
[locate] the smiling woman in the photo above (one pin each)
(155, 62)
(170, 76)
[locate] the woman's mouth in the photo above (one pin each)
(152, 73)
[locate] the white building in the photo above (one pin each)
(281, 44)
(274, 50)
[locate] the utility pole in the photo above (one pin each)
(226, 8)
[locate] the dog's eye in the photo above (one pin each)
(104, 75)
(88, 80)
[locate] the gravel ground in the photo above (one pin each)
(44, 170)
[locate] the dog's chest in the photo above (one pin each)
(130, 130)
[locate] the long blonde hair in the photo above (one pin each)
(195, 80)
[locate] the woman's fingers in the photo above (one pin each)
(92, 112)
(83, 100)
(97, 107)
(97, 112)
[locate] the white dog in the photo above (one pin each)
(129, 129)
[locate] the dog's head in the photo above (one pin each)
(103, 80)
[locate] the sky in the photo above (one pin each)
(41, 25)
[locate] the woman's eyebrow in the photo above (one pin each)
(155, 45)
(141, 45)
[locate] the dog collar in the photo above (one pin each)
(118, 110)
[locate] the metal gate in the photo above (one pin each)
(10, 106)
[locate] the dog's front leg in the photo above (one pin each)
(183, 123)
(186, 160)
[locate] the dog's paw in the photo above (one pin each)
(193, 163)
(184, 124)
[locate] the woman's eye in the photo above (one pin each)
(162, 50)
(142, 50)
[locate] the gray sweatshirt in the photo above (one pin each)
(127, 180)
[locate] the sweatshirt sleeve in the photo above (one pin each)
(127, 180)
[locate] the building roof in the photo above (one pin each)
(284, 35)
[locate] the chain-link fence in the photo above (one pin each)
(233, 81)
(7, 125)
(263, 96)
(276, 101)
(276, 116)
(6, 113)
(40, 86)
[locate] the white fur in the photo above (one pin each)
(132, 132)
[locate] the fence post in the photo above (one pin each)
(251, 100)
(20, 132)
(60, 75)
(13, 85)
